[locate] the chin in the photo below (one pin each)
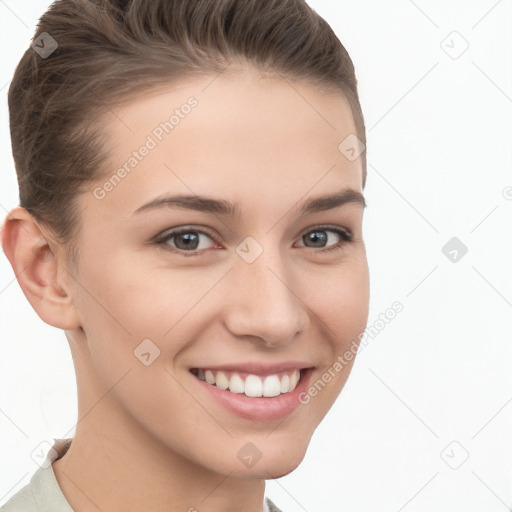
(272, 465)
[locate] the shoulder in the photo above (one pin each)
(270, 506)
(42, 493)
(23, 500)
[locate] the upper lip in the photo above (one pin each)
(257, 368)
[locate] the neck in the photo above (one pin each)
(127, 471)
(115, 464)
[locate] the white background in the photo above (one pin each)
(439, 163)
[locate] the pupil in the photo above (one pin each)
(191, 241)
(318, 237)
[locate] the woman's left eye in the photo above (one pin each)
(319, 236)
(187, 241)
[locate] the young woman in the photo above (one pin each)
(191, 177)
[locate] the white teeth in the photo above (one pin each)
(221, 380)
(236, 384)
(285, 384)
(294, 379)
(253, 386)
(271, 386)
(210, 378)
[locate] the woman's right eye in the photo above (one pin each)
(185, 241)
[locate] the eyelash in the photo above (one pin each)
(345, 235)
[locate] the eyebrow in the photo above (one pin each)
(225, 208)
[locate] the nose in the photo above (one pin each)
(263, 304)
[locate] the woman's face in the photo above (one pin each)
(168, 287)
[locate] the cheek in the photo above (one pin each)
(340, 305)
(353, 302)
(339, 298)
(124, 301)
(126, 294)
(126, 313)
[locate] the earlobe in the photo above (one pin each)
(36, 266)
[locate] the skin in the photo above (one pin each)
(142, 441)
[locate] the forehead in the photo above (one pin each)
(237, 133)
(233, 104)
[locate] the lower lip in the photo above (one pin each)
(259, 408)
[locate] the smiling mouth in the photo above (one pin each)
(250, 384)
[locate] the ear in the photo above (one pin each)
(28, 247)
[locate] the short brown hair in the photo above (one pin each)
(108, 50)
